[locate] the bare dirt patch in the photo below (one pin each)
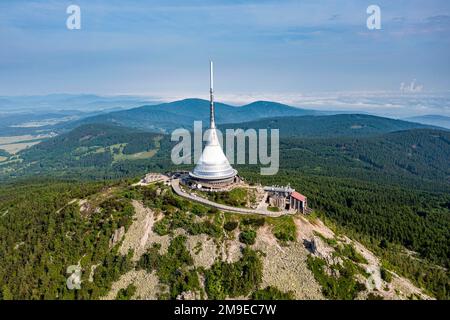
(231, 248)
(285, 267)
(399, 288)
(203, 250)
(140, 234)
(147, 285)
(306, 228)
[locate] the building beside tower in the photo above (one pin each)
(213, 170)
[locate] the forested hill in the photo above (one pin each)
(418, 158)
(340, 125)
(93, 151)
(183, 113)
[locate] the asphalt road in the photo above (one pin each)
(176, 188)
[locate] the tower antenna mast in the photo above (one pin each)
(211, 96)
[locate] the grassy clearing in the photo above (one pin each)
(283, 228)
(24, 138)
(134, 156)
(116, 151)
(238, 197)
(14, 148)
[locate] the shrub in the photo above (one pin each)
(126, 293)
(230, 225)
(272, 293)
(385, 275)
(373, 296)
(199, 210)
(162, 227)
(234, 279)
(254, 221)
(172, 268)
(151, 260)
(248, 236)
(350, 252)
(206, 227)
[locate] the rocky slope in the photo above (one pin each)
(289, 266)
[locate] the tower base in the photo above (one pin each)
(210, 185)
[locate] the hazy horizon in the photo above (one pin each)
(303, 53)
(389, 104)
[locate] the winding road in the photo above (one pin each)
(177, 189)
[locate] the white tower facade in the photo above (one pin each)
(213, 167)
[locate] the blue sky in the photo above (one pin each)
(260, 47)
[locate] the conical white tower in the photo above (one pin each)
(213, 167)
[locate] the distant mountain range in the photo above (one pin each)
(435, 120)
(165, 117)
(294, 121)
(168, 116)
(127, 142)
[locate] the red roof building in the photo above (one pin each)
(298, 196)
(298, 202)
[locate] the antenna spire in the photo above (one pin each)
(211, 95)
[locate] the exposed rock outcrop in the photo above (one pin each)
(117, 236)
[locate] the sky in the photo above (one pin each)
(261, 48)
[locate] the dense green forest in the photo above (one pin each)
(331, 126)
(388, 219)
(415, 158)
(390, 191)
(66, 151)
(42, 233)
(92, 152)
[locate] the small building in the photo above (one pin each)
(298, 202)
(154, 177)
(286, 198)
(278, 201)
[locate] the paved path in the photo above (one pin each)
(176, 188)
